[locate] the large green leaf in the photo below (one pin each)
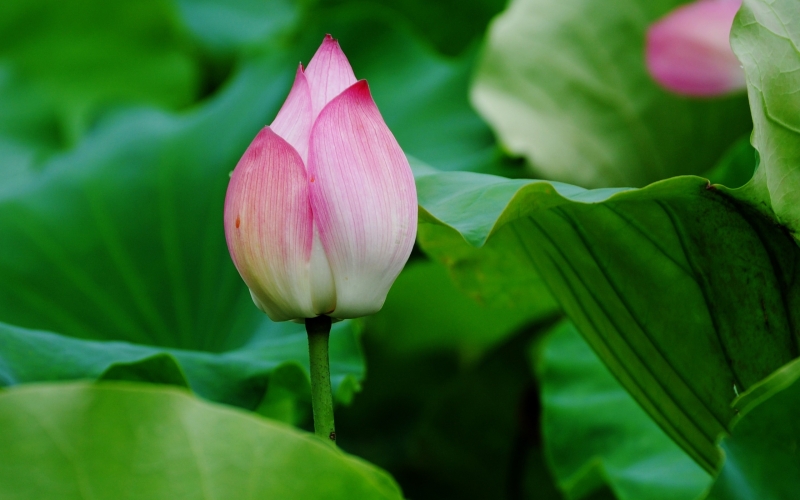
(595, 433)
(121, 238)
(238, 377)
(686, 295)
(90, 54)
(762, 461)
(75, 441)
(766, 37)
(563, 83)
(424, 312)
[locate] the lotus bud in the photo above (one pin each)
(321, 210)
(689, 51)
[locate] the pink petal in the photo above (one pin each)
(329, 74)
(269, 226)
(294, 120)
(363, 198)
(689, 51)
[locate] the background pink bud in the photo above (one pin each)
(689, 51)
(321, 211)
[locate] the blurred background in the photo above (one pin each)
(119, 124)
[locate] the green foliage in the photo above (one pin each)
(761, 457)
(595, 433)
(120, 124)
(662, 281)
(766, 37)
(87, 54)
(564, 85)
(275, 359)
(448, 427)
(425, 311)
(736, 167)
(74, 441)
(449, 25)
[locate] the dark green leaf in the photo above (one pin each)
(446, 428)
(425, 312)
(76, 441)
(762, 461)
(686, 295)
(89, 54)
(238, 377)
(564, 84)
(449, 25)
(159, 368)
(596, 433)
(737, 165)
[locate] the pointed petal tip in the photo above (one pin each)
(329, 73)
(361, 87)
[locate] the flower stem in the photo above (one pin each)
(319, 330)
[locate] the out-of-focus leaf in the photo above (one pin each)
(762, 457)
(736, 167)
(449, 25)
(75, 441)
(564, 84)
(766, 37)
(424, 312)
(238, 377)
(448, 429)
(89, 53)
(121, 238)
(595, 433)
(687, 295)
(30, 127)
(160, 368)
(227, 26)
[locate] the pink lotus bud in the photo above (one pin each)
(689, 51)
(321, 211)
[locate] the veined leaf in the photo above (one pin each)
(112, 440)
(762, 461)
(685, 294)
(766, 37)
(595, 433)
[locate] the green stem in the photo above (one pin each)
(319, 330)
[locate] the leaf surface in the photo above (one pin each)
(76, 441)
(685, 294)
(596, 433)
(766, 38)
